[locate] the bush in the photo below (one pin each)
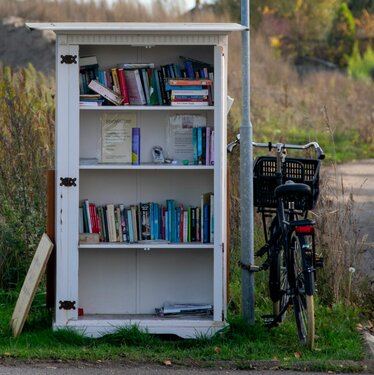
(361, 67)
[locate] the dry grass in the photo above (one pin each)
(283, 107)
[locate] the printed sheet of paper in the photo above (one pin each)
(116, 137)
(179, 140)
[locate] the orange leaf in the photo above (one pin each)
(217, 349)
(298, 354)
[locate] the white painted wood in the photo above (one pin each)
(67, 165)
(142, 27)
(146, 108)
(30, 285)
(140, 277)
(98, 325)
(149, 166)
(147, 246)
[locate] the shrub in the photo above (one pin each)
(361, 67)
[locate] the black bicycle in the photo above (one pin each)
(285, 189)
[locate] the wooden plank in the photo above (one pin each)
(30, 285)
(51, 265)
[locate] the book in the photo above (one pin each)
(108, 94)
(191, 93)
(134, 217)
(85, 61)
(134, 87)
(116, 139)
(123, 86)
(205, 217)
(137, 65)
(112, 235)
(128, 214)
(135, 146)
(115, 80)
(207, 146)
(190, 82)
(145, 217)
(86, 207)
(189, 104)
(145, 83)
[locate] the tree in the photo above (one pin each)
(358, 6)
(342, 36)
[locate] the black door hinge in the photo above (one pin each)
(68, 181)
(68, 59)
(67, 305)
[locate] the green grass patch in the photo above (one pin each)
(236, 345)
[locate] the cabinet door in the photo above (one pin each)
(67, 151)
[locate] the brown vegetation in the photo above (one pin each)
(283, 106)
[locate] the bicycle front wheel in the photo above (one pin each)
(303, 300)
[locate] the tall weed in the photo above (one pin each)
(26, 149)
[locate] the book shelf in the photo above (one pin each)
(106, 285)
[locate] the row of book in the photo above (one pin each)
(170, 222)
(145, 84)
(203, 145)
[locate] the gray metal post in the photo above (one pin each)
(246, 176)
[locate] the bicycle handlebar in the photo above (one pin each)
(280, 146)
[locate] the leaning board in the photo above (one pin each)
(30, 284)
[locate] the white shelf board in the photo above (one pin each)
(146, 108)
(165, 167)
(145, 245)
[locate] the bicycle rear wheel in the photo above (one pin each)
(279, 284)
(303, 300)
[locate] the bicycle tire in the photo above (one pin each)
(278, 281)
(278, 275)
(303, 300)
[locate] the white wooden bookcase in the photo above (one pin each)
(120, 284)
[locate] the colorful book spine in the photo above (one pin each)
(135, 146)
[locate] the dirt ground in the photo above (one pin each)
(358, 178)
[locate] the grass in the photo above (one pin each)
(235, 346)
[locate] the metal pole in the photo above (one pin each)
(246, 177)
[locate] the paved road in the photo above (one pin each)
(358, 178)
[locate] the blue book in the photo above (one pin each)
(200, 146)
(136, 146)
(194, 142)
(152, 220)
(156, 229)
(187, 87)
(189, 69)
(131, 229)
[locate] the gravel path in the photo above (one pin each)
(358, 177)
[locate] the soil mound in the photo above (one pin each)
(20, 46)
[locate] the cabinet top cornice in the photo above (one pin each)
(135, 27)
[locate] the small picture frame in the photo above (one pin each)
(158, 155)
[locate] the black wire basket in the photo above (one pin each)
(299, 170)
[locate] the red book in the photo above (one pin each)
(123, 86)
(190, 82)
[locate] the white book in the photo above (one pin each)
(105, 92)
(202, 92)
(189, 104)
(135, 87)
